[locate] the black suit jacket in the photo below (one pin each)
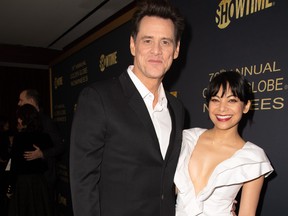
(24, 141)
(116, 167)
(51, 155)
(4, 149)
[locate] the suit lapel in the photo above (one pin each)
(176, 126)
(172, 135)
(137, 104)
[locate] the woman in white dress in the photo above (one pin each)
(215, 163)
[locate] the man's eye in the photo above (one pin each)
(147, 41)
(166, 42)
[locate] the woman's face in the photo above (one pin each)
(226, 111)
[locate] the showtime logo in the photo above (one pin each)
(229, 9)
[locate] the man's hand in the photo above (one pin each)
(32, 155)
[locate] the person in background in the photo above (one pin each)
(5, 137)
(126, 132)
(214, 164)
(28, 189)
(4, 142)
(51, 155)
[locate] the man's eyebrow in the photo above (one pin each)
(169, 39)
(163, 38)
(146, 37)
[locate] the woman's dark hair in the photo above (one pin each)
(30, 117)
(158, 8)
(240, 87)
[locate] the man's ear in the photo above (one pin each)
(177, 50)
(132, 46)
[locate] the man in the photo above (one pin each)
(31, 96)
(126, 132)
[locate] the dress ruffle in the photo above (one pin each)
(246, 164)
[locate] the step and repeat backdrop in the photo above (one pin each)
(249, 36)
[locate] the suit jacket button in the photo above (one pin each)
(162, 196)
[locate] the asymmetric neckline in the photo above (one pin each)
(215, 168)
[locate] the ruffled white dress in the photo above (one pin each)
(216, 198)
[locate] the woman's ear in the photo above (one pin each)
(247, 107)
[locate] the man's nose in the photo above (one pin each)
(156, 48)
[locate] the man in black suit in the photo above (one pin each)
(50, 155)
(127, 131)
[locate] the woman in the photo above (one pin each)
(29, 195)
(4, 142)
(5, 135)
(215, 163)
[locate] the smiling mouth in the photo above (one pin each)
(223, 117)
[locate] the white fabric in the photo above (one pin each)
(8, 166)
(160, 115)
(217, 197)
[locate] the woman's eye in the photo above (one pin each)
(233, 100)
(214, 100)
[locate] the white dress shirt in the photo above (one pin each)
(160, 115)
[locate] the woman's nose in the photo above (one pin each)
(222, 106)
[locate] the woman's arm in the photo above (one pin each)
(250, 196)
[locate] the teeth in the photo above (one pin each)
(224, 117)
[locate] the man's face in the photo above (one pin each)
(23, 99)
(154, 48)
